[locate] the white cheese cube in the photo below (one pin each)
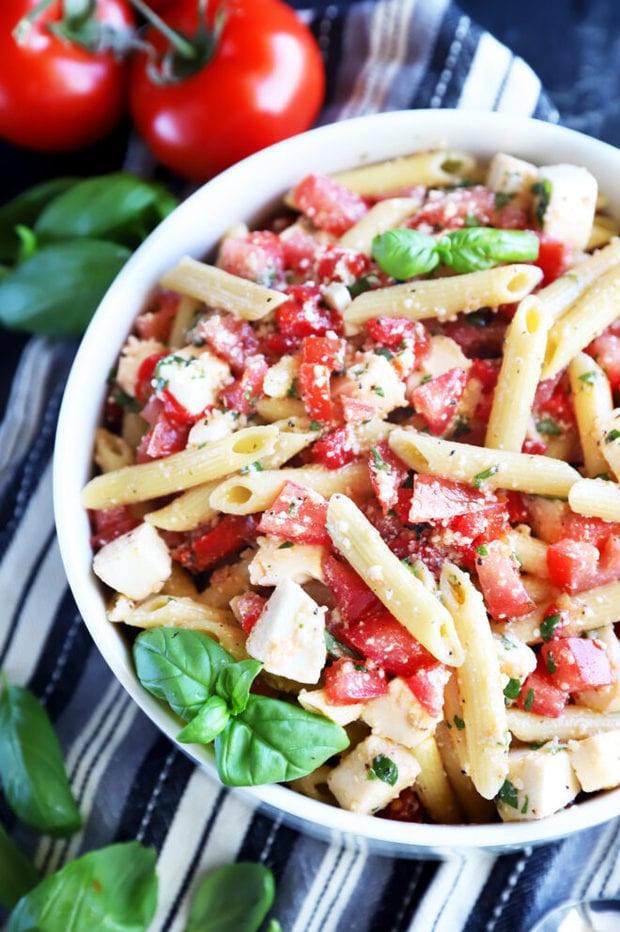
(372, 380)
(280, 377)
(567, 203)
(215, 425)
(399, 716)
(605, 698)
(194, 381)
(289, 635)
(133, 354)
(596, 761)
(516, 659)
(337, 295)
(136, 564)
(315, 700)
(538, 784)
(513, 177)
(273, 563)
(355, 781)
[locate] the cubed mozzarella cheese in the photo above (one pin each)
(272, 563)
(194, 381)
(605, 698)
(133, 354)
(566, 201)
(539, 783)
(280, 378)
(289, 635)
(399, 716)
(596, 761)
(445, 354)
(337, 295)
(136, 564)
(315, 700)
(371, 379)
(215, 425)
(355, 781)
(516, 659)
(513, 177)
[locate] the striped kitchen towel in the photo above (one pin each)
(131, 782)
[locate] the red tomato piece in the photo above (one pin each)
(380, 637)
(480, 337)
(387, 474)
(554, 257)
(482, 526)
(230, 338)
(329, 205)
(249, 607)
(347, 681)
(428, 684)
(438, 499)
(259, 257)
(354, 410)
(165, 437)
(325, 351)
(334, 450)
(576, 663)
(405, 808)
(242, 394)
(575, 565)
(337, 264)
(155, 322)
(540, 696)
(453, 209)
(436, 400)
(203, 550)
(606, 350)
(175, 411)
(353, 596)
(304, 313)
(299, 250)
(297, 514)
(314, 386)
(146, 371)
(397, 333)
(498, 573)
(110, 523)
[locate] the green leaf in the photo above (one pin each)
(234, 898)
(475, 248)
(118, 207)
(233, 683)
(383, 768)
(180, 666)
(56, 291)
(23, 210)
(113, 889)
(32, 769)
(17, 874)
(207, 724)
(404, 253)
(273, 741)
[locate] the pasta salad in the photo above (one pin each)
(357, 484)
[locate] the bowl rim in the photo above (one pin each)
(392, 132)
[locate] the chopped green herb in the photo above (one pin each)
(551, 664)
(292, 391)
(382, 768)
(316, 425)
(482, 550)
(506, 643)
(512, 688)
(126, 401)
(485, 474)
(548, 427)
(612, 435)
(548, 625)
(286, 544)
(460, 724)
(508, 794)
(377, 389)
(502, 199)
(528, 702)
(588, 376)
(526, 804)
(252, 467)
(377, 460)
(384, 351)
(542, 191)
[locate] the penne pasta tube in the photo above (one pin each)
(596, 498)
(482, 467)
(531, 552)
(479, 682)
(474, 807)
(406, 597)
(220, 289)
(255, 491)
(445, 297)
(573, 722)
(187, 511)
(586, 318)
(433, 168)
(183, 320)
(593, 405)
(111, 451)
(524, 351)
(385, 215)
(432, 785)
(557, 297)
(603, 230)
(192, 466)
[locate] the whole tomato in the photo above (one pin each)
(55, 94)
(262, 80)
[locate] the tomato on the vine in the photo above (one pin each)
(55, 94)
(261, 81)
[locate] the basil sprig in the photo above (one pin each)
(114, 888)
(32, 768)
(17, 873)
(257, 739)
(403, 253)
(233, 898)
(64, 241)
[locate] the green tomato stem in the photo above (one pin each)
(185, 48)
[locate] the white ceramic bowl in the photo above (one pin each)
(244, 192)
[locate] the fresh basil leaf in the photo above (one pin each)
(233, 683)
(207, 724)
(273, 741)
(32, 768)
(118, 207)
(234, 898)
(114, 889)
(180, 666)
(475, 248)
(56, 291)
(404, 253)
(17, 873)
(23, 210)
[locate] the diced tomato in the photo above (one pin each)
(453, 209)
(304, 313)
(396, 332)
(576, 663)
(203, 550)
(438, 499)
(552, 520)
(334, 450)
(553, 400)
(315, 390)
(353, 596)
(387, 474)
(258, 256)
(354, 410)
(175, 411)
(155, 322)
(575, 565)
(230, 338)
(297, 514)
(554, 257)
(380, 637)
(337, 264)
(110, 523)
(518, 512)
(146, 371)
(486, 371)
(325, 351)
(436, 400)
(428, 684)
(242, 394)
(540, 696)
(606, 350)
(299, 250)
(498, 573)
(510, 218)
(482, 526)
(347, 681)
(405, 808)
(480, 336)
(329, 205)
(166, 436)
(249, 607)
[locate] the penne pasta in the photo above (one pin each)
(593, 404)
(557, 297)
(381, 217)
(433, 168)
(433, 786)
(573, 722)
(597, 498)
